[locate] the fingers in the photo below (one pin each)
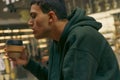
(4, 49)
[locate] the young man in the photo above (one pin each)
(78, 51)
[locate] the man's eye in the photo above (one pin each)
(33, 16)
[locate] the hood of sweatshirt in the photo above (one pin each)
(78, 18)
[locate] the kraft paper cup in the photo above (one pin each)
(14, 48)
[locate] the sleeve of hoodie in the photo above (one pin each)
(37, 70)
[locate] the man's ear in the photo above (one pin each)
(52, 16)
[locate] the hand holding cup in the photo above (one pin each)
(16, 52)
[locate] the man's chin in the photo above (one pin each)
(38, 37)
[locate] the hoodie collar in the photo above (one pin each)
(78, 18)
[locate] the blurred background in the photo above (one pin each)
(14, 15)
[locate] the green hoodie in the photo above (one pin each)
(81, 54)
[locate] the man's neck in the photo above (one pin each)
(58, 29)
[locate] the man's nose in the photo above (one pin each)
(30, 22)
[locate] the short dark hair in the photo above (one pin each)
(54, 5)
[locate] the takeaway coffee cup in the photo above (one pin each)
(14, 48)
